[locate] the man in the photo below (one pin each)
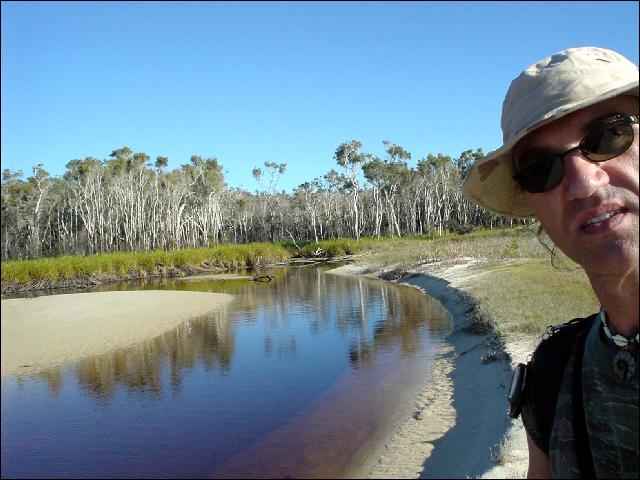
(570, 159)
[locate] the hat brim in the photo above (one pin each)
(490, 181)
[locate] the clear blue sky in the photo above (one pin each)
(285, 82)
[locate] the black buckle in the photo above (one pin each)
(517, 390)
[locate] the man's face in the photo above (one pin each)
(606, 192)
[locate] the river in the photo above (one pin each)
(304, 377)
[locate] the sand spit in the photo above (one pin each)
(42, 332)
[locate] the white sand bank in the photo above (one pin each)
(38, 333)
(459, 426)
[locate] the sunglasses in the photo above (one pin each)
(539, 170)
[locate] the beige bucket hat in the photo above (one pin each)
(545, 91)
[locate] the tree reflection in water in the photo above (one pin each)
(399, 312)
(207, 340)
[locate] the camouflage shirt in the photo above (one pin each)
(611, 412)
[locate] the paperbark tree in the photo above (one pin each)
(348, 156)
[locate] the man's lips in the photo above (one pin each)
(596, 217)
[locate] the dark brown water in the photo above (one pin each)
(300, 377)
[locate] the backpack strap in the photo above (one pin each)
(540, 379)
(583, 446)
(547, 369)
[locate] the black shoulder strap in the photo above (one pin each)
(583, 446)
(547, 368)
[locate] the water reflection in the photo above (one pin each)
(241, 375)
(206, 340)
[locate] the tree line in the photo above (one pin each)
(129, 202)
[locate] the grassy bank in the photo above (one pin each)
(525, 297)
(339, 247)
(497, 244)
(518, 291)
(126, 263)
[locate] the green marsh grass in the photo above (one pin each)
(125, 263)
(525, 297)
(497, 244)
(340, 247)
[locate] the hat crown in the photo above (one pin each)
(559, 82)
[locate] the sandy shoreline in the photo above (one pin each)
(459, 427)
(42, 332)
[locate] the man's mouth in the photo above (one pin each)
(598, 220)
(602, 217)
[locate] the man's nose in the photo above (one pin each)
(582, 177)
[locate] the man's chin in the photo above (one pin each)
(619, 258)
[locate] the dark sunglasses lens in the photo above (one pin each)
(541, 173)
(607, 143)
